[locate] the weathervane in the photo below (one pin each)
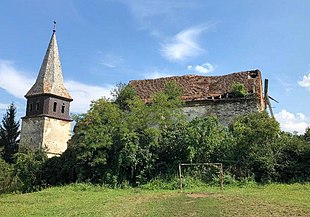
(54, 28)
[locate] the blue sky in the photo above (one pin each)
(104, 42)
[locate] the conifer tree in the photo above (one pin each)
(9, 133)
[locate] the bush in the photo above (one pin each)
(28, 170)
(255, 151)
(8, 182)
(293, 160)
(238, 90)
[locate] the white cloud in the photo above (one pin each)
(292, 122)
(305, 82)
(17, 84)
(83, 94)
(13, 80)
(3, 106)
(111, 61)
(183, 45)
(204, 68)
(156, 74)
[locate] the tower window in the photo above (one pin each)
(38, 106)
(63, 108)
(55, 107)
(30, 107)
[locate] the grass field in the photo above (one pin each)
(87, 200)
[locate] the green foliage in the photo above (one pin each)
(93, 139)
(173, 90)
(117, 142)
(121, 94)
(9, 132)
(205, 139)
(28, 169)
(126, 142)
(238, 90)
(293, 160)
(8, 182)
(307, 135)
(254, 152)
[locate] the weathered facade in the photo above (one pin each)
(47, 122)
(210, 95)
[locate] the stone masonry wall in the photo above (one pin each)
(49, 133)
(31, 135)
(56, 135)
(224, 109)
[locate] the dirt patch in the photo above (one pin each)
(197, 195)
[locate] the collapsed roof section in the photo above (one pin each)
(199, 88)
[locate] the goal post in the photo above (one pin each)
(219, 166)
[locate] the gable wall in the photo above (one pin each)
(224, 109)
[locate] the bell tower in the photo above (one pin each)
(47, 123)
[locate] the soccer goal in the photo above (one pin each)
(204, 167)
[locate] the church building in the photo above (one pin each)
(47, 123)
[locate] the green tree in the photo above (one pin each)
(307, 135)
(93, 138)
(9, 132)
(116, 142)
(121, 94)
(8, 182)
(293, 158)
(205, 137)
(28, 169)
(255, 150)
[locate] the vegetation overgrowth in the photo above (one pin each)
(127, 142)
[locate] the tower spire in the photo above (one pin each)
(50, 80)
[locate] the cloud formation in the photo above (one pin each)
(183, 45)
(16, 83)
(83, 94)
(3, 106)
(111, 61)
(157, 74)
(305, 82)
(292, 122)
(204, 68)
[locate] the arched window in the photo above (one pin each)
(30, 107)
(55, 107)
(38, 105)
(63, 108)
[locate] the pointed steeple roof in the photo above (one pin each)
(50, 80)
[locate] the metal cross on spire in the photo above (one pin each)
(54, 28)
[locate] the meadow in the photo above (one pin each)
(90, 200)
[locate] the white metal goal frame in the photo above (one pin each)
(219, 166)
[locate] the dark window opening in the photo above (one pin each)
(30, 107)
(63, 108)
(38, 106)
(55, 107)
(253, 74)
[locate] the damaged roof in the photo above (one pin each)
(197, 87)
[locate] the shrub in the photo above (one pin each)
(238, 90)
(8, 182)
